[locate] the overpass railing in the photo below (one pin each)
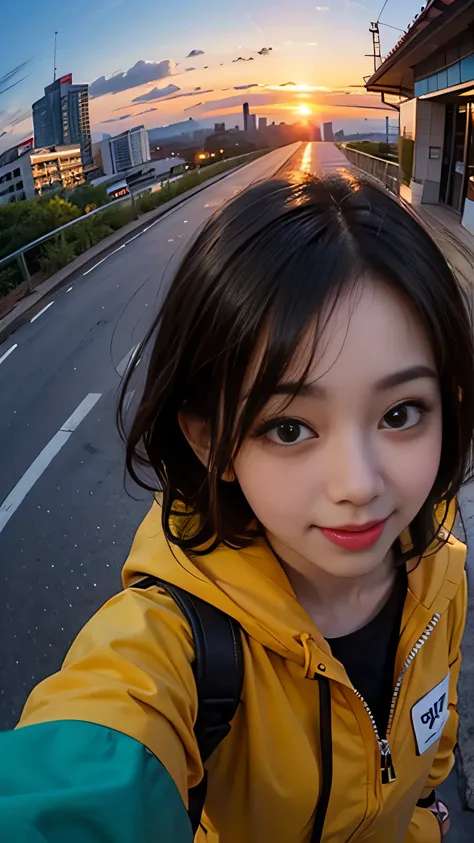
(387, 172)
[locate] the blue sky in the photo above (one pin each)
(320, 46)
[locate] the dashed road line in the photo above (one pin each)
(40, 464)
(40, 313)
(7, 353)
(104, 259)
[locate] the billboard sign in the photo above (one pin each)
(66, 80)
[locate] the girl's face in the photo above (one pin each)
(358, 447)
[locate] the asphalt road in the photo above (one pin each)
(62, 544)
(68, 516)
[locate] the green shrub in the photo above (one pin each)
(56, 253)
(117, 216)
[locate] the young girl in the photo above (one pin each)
(308, 414)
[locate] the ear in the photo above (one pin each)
(197, 432)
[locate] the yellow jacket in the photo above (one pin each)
(130, 671)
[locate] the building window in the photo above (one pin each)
(467, 69)
(433, 84)
(19, 185)
(454, 75)
(442, 80)
(16, 173)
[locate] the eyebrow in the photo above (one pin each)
(404, 376)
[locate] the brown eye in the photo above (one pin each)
(289, 432)
(402, 417)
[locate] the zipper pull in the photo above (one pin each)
(388, 771)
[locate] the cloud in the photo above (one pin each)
(140, 74)
(188, 94)
(157, 93)
(322, 8)
(242, 87)
(351, 4)
(195, 105)
(116, 119)
(147, 110)
(189, 69)
(195, 53)
(286, 84)
(240, 58)
(265, 51)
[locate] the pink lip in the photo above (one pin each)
(355, 537)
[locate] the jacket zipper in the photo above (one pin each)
(387, 769)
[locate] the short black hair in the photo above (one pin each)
(277, 256)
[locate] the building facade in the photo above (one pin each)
(262, 124)
(246, 114)
(327, 132)
(124, 151)
(61, 117)
(39, 170)
(432, 70)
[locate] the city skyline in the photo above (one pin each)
(305, 64)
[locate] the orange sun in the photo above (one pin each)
(304, 110)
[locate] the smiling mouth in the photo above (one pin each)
(355, 537)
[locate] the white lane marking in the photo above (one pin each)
(104, 259)
(68, 291)
(122, 366)
(7, 353)
(80, 412)
(136, 235)
(42, 311)
(40, 464)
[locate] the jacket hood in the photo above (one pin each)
(251, 586)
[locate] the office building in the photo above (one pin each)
(219, 127)
(124, 151)
(327, 133)
(36, 171)
(61, 117)
(315, 132)
(262, 123)
(431, 69)
(246, 113)
(252, 123)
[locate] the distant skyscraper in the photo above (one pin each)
(262, 123)
(62, 117)
(252, 124)
(327, 133)
(246, 113)
(315, 132)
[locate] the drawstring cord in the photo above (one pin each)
(303, 639)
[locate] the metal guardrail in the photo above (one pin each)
(387, 172)
(19, 255)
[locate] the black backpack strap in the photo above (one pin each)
(219, 673)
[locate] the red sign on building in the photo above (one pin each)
(25, 145)
(66, 80)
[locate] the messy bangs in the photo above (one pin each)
(253, 294)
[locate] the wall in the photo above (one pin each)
(429, 132)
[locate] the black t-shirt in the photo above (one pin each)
(368, 654)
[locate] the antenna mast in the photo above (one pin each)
(55, 51)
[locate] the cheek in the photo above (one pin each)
(413, 468)
(276, 486)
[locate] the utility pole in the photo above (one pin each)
(55, 51)
(376, 55)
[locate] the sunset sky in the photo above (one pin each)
(157, 63)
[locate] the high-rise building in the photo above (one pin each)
(35, 171)
(219, 127)
(61, 117)
(262, 123)
(327, 133)
(315, 132)
(124, 151)
(246, 112)
(252, 123)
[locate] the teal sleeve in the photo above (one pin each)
(82, 783)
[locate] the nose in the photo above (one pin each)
(354, 474)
